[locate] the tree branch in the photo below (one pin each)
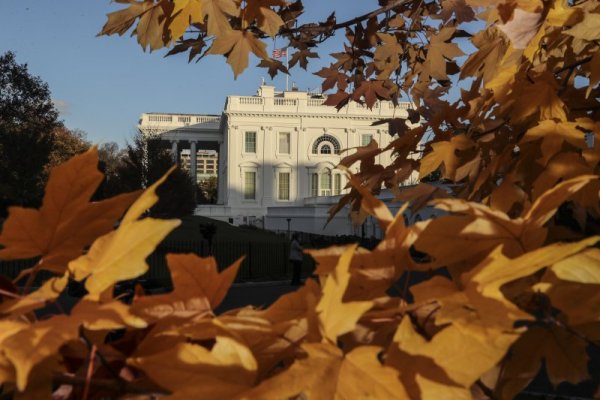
(345, 24)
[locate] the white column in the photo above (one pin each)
(193, 162)
(221, 171)
(174, 152)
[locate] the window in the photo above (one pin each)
(284, 186)
(325, 149)
(324, 140)
(365, 140)
(326, 183)
(314, 185)
(249, 185)
(337, 184)
(284, 142)
(250, 142)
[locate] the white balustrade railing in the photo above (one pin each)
(285, 102)
(250, 100)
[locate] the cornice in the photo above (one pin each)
(255, 114)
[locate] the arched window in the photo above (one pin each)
(324, 145)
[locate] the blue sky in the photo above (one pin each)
(103, 84)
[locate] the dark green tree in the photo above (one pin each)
(144, 162)
(28, 119)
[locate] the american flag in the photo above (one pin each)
(278, 53)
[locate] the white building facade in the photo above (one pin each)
(277, 155)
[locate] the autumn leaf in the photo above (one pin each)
(446, 153)
(185, 12)
(337, 100)
(273, 67)
(563, 353)
(420, 195)
(583, 267)
(362, 375)
(48, 291)
(369, 92)
(485, 62)
(335, 316)
(438, 51)
(121, 254)
(32, 344)
(587, 29)
(301, 57)
(236, 46)
(553, 134)
(314, 376)
(198, 288)
(192, 371)
(420, 373)
(460, 9)
(540, 97)
(260, 11)
(217, 12)
(522, 27)
(498, 270)
(120, 21)
(67, 221)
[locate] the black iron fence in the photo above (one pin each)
(263, 260)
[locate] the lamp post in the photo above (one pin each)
(288, 221)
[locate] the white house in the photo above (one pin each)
(277, 153)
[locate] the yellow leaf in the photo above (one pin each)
(191, 371)
(50, 290)
(561, 14)
(335, 316)
(267, 20)
(587, 29)
(523, 26)
(438, 50)
(582, 267)
(121, 255)
(185, 12)
(461, 357)
(237, 45)
(150, 28)
(198, 288)
(564, 355)
(546, 205)
(105, 316)
(121, 20)
(67, 221)
(363, 376)
(446, 153)
(553, 134)
(313, 377)
(497, 270)
(31, 345)
(371, 204)
(217, 12)
(146, 200)
(540, 97)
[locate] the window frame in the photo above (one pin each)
(289, 143)
(255, 174)
(246, 134)
(289, 185)
(337, 184)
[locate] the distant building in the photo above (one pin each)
(275, 155)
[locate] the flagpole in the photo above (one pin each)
(287, 76)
